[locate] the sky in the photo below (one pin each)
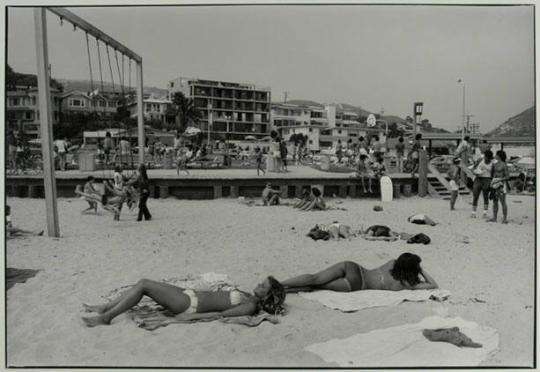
(374, 56)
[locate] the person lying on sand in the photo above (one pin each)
(270, 196)
(395, 275)
(189, 305)
(421, 219)
(335, 231)
(15, 231)
(379, 232)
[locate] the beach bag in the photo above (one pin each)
(379, 230)
(419, 239)
(317, 234)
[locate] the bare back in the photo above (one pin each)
(381, 278)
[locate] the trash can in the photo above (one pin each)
(325, 162)
(168, 160)
(87, 161)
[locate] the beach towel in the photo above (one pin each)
(406, 346)
(357, 300)
(150, 316)
(14, 276)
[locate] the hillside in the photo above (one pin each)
(521, 125)
(85, 86)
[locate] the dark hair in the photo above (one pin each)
(466, 138)
(316, 191)
(418, 136)
(90, 178)
(363, 156)
(361, 138)
(488, 156)
(502, 155)
(142, 170)
(272, 303)
(339, 141)
(456, 160)
(400, 139)
(376, 138)
(273, 134)
(118, 169)
(406, 268)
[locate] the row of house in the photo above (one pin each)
(231, 111)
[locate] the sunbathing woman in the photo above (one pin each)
(395, 275)
(317, 202)
(188, 304)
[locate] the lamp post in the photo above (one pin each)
(417, 110)
(461, 81)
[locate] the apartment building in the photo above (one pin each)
(324, 125)
(22, 110)
(229, 110)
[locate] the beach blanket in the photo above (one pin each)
(18, 276)
(358, 300)
(406, 346)
(150, 316)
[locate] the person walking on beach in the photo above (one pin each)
(142, 183)
(482, 182)
(403, 273)
(499, 186)
(187, 304)
(454, 173)
(400, 153)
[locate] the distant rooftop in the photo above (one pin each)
(223, 84)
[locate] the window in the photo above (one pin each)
(310, 130)
(15, 102)
(34, 100)
(74, 102)
(339, 131)
(102, 103)
(28, 115)
(112, 104)
(311, 142)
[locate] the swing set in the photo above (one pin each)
(45, 109)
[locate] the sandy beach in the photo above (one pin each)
(488, 268)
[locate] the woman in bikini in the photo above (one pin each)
(188, 304)
(395, 275)
(499, 186)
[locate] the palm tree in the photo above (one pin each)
(184, 111)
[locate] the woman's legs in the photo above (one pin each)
(477, 188)
(143, 209)
(486, 182)
(331, 278)
(453, 199)
(170, 297)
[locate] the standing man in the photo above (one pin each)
(400, 153)
(12, 149)
(339, 151)
(107, 146)
(464, 148)
(62, 146)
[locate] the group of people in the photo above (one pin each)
(121, 189)
(269, 296)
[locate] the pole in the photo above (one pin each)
(422, 173)
(140, 118)
(45, 114)
(463, 114)
(414, 118)
(209, 122)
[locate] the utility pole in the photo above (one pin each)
(467, 128)
(285, 96)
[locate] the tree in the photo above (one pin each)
(394, 131)
(184, 110)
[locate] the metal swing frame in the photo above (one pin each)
(45, 109)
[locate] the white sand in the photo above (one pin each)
(96, 255)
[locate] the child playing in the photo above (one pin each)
(90, 189)
(455, 174)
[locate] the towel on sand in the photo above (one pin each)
(406, 346)
(149, 315)
(353, 301)
(18, 276)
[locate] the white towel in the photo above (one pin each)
(405, 346)
(357, 300)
